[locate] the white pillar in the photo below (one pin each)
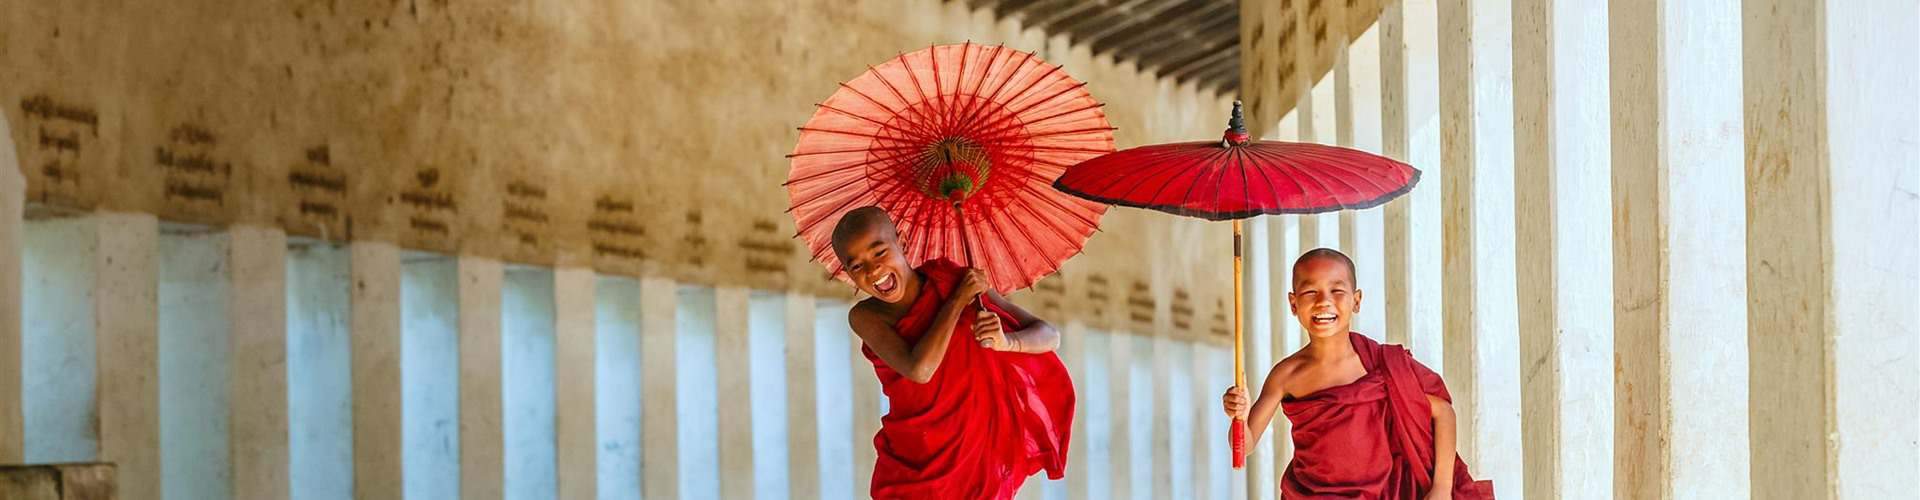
(431, 286)
(659, 420)
(1162, 409)
(1256, 320)
(866, 417)
(194, 362)
(1409, 111)
(13, 197)
(618, 398)
(1286, 337)
(1319, 123)
(695, 353)
(1119, 391)
(1203, 402)
(1073, 352)
(1680, 339)
(1482, 348)
(528, 401)
(1832, 145)
(1564, 236)
(257, 319)
(576, 434)
(735, 419)
(803, 426)
(58, 345)
(375, 305)
(767, 373)
(320, 395)
(1396, 300)
(483, 468)
(1362, 232)
(1423, 150)
(126, 316)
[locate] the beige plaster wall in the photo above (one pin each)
(642, 138)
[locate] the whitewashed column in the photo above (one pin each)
(1162, 412)
(1256, 319)
(257, 318)
(1424, 223)
(375, 304)
(1396, 299)
(126, 320)
(194, 362)
(803, 422)
(866, 418)
(13, 197)
(1564, 237)
(659, 420)
(1206, 415)
(735, 412)
(576, 435)
(1832, 147)
(320, 370)
(1362, 232)
(1119, 391)
(483, 466)
(1680, 336)
(1409, 111)
(1482, 348)
(1321, 125)
(1073, 353)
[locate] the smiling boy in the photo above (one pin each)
(1368, 420)
(971, 413)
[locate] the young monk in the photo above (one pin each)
(1368, 420)
(963, 420)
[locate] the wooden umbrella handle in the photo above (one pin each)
(966, 247)
(1238, 437)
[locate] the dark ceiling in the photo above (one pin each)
(1195, 41)
(1185, 40)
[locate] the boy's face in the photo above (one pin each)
(1323, 298)
(873, 261)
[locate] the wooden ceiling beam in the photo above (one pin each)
(1051, 23)
(1107, 33)
(1161, 32)
(1202, 63)
(1217, 32)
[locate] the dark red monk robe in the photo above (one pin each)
(984, 423)
(1372, 438)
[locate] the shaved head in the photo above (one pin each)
(860, 221)
(1326, 253)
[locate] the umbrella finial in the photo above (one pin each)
(1236, 128)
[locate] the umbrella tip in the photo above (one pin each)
(1236, 127)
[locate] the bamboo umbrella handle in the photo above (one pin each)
(966, 248)
(1238, 438)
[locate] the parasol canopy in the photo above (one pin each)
(960, 144)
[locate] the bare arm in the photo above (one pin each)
(1037, 336)
(1260, 418)
(1261, 413)
(918, 362)
(1443, 446)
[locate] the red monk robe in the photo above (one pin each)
(1372, 438)
(984, 423)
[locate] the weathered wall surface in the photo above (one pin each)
(642, 138)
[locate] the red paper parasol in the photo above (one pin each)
(959, 143)
(1236, 178)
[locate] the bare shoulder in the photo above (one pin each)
(865, 313)
(1285, 370)
(1291, 364)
